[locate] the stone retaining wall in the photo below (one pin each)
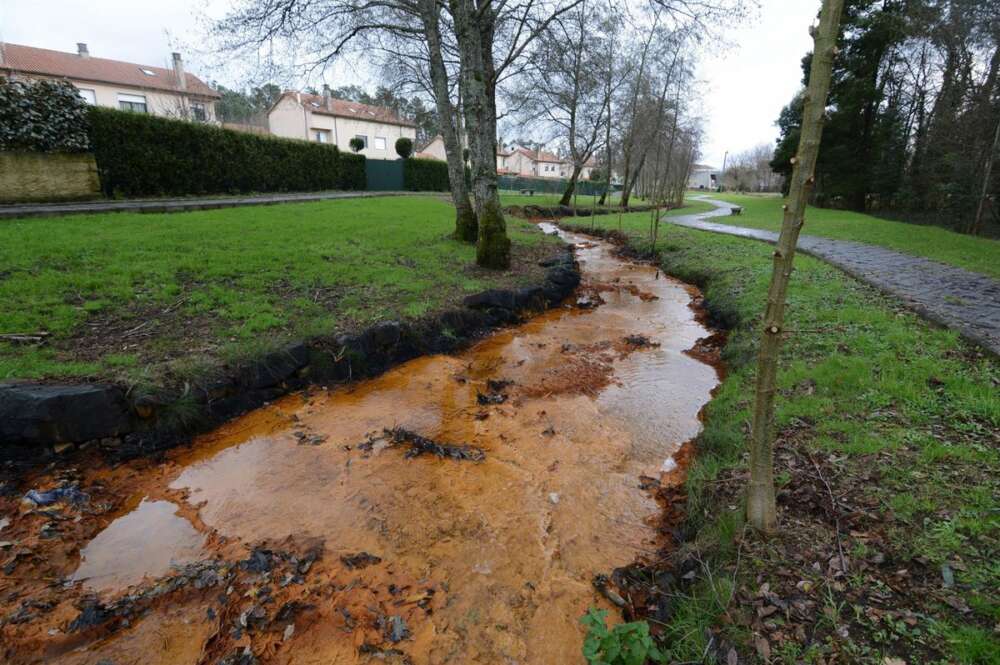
(38, 421)
(41, 176)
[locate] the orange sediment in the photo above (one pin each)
(478, 562)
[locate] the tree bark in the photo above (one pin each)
(761, 510)
(466, 224)
(474, 32)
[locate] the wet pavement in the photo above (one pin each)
(965, 301)
(311, 531)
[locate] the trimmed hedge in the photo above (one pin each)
(42, 116)
(142, 155)
(425, 175)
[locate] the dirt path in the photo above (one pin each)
(962, 300)
(306, 532)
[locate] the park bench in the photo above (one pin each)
(735, 210)
(529, 192)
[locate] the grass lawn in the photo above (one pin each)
(888, 453)
(977, 254)
(130, 295)
(509, 198)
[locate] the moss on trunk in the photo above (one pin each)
(493, 246)
(466, 224)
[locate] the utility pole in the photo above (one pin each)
(725, 158)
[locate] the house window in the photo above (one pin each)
(135, 103)
(87, 95)
(321, 135)
(380, 143)
(198, 112)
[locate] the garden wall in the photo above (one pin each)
(47, 176)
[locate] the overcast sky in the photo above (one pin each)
(744, 86)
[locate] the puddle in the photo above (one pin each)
(147, 542)
(508, 545)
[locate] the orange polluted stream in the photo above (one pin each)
(481, 562)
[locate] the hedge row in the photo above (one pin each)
(142, 155)
(425, 175)
(42, 116)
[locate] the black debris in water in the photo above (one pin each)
(420, 445)
(259, 561)
(360, 560)
(497, 385)
(485, 399)
(640, 341)
(67, 494)
(396, 629)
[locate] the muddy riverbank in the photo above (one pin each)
(325, 527)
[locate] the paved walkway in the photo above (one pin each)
(959, 299)
(176, 205)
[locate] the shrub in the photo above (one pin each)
(404, 147)
(425, 175)
(42, 116)
(625, 644)
(357, 145)
(142, 155)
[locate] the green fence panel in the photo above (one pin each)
(384, 175)
(552, 185)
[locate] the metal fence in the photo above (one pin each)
(384, 175)
(552, 185)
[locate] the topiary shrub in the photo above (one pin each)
(142, 155)
(42, 116)
(425, 175)
(404, 147)
(357, 145)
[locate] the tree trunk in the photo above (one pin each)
(466, 224)
(761, 510)
(474, 33)
(570, 186)
(977, 223)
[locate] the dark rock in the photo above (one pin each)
(259, 561)
(385, 334)
(92, 613)
(43, 414)
(492, 299)
(532, 297)
(275, 367)
(562, 276)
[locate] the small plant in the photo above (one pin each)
(404, 147)
(357, 145)
(625, 644)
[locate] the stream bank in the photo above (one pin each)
(454, 509)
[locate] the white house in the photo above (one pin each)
(322, 118)
(704, 177)
(122, 85)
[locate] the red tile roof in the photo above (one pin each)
(345, 109)
(31, 60)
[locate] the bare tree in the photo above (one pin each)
(750, 170)
(761, 510)
(562, 88)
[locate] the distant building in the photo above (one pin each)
(704, 177)
(122, 85)
(325, 119)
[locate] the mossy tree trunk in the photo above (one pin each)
(466, 223)
(474, 31)
(761, 510)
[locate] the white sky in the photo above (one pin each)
(744, 86)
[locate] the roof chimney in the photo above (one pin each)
(81, 50)
(179, 71)
(326, 96)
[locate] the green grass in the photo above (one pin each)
(910, 413)
(123, 293)
(977, 254)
